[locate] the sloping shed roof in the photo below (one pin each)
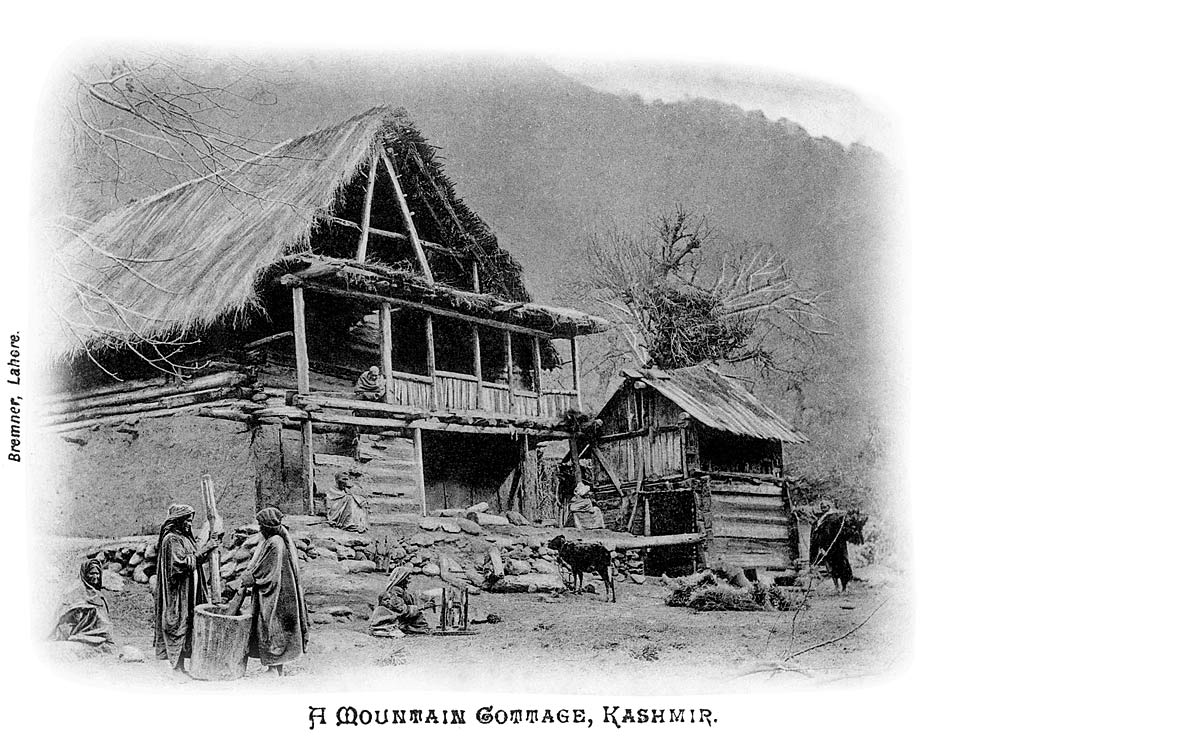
(182, 260)
(717, 401)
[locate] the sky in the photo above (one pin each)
(820, 108)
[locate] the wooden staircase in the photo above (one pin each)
(382, 471)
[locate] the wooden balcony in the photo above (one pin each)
(460, 392)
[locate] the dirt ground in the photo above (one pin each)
(554, 644)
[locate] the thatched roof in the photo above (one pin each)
(717, 401)
(193, 256)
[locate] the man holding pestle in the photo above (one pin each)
(180, 585)
(272, 582)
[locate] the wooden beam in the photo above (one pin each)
(431, 357)
(385, 350)
(301, 338)
(475, 276)
(478, 367)
(361, 254)
(436, 248)
(414, 239)
(508, 369)
(574, 445)
(266, 340)
(425, 307)
(575, 373)
(419, 467)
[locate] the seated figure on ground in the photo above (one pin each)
(398, 611)
(83, 614)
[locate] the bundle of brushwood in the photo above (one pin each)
(709, 591)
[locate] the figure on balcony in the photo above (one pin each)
(371, 385)
(345, 510)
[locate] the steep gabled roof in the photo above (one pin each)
(717, 401)
(193, 255)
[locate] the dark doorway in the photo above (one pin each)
(671, 513)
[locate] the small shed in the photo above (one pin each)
(692, 451)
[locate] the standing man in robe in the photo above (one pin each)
(343, 509)
(180, 585)
(83, 613)
(272, 583)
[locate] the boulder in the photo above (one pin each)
(338, 610)
(320, 618)
(360, 566)
(136, 558)
(484, 519)
(112, 581)
(469, 526)
(638, 578)
(452, 512)
(543, 566)
(142, 576)
(422, 540)
(517, 519)
(450, 525)
(480, 507)
(429, 524)
(496, 562)
(517, 567)
(431, 570)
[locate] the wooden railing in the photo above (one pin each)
(461, 392)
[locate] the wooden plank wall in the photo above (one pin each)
(751, 527)
(662, 452)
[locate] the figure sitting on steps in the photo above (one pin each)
(345, 510)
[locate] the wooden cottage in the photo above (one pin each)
(691, 455)
(222, 326)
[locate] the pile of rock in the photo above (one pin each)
(631, 564)
(131, 558)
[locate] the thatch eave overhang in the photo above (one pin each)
(404, 287)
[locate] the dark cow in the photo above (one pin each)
(832, 532)
(583, 557)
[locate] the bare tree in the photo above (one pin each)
(134, 125)
(679, 296)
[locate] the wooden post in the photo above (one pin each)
(575, 373)
(574, 444)
(646, 520)
(475, 275)
(537, 372)
(419, 467)
(385, 350)
(478, 367)
(521, 500)
(509, 372)
(302, 386)
(408, 220)
(301, 339)
(431, 360)
(361, 254)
